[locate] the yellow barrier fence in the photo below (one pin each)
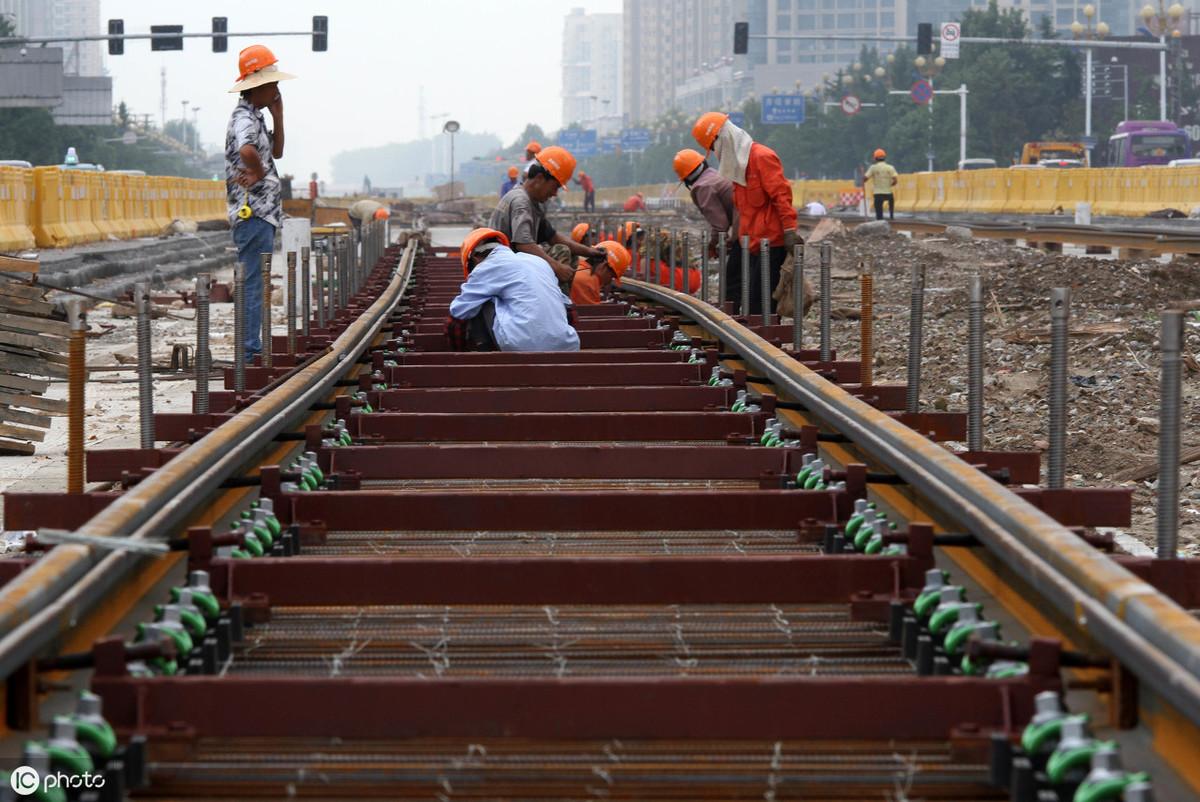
(16, 200)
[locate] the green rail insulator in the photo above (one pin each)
(1108, 790)
(97, 733)
(68, 760)
(1062, 763)
(205, 600)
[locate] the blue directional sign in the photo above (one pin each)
(782, 109)
(581, 142)
(738, 118)
(635, 138)
(610, 143)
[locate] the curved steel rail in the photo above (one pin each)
(1149, 633)
(37, 606)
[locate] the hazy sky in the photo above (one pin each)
(493, 64)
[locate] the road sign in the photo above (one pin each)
(782, 109)
(851, 105)
(951, 33)
(635, 139)
(1088, 142)
(738, 118)
(581, 142)
(610, 143)
(921, 92)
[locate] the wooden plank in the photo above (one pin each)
(55, 406)
(31, 291)
(38, 342)
(1149, 469)
(13, 448)
(11, 264)
(26, 306)
(47, 356)
(27, 418)
(25, 384)
(21, 433)
(37, 367)
(39, 325)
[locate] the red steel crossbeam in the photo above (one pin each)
(617, 374)
(553, 399)
(551, 426)
(536, 357)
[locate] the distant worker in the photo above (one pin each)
(532, 149)
(513, 172)
(594, 276)
(361, 210)
(762, 196)
(582, 233)
(312, 187)
(635, 203)
(382, 213)
(521, 214)
(510, 301)
(713, 195)
(814, 208)
(883, 178)
(589, 191)
(252, 189)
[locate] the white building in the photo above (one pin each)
(62, 18)
(591, 63)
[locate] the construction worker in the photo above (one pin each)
(635, 202)
(361, 210)
(883, 178)
(589, 191)
(713, 195)
(252, 187)
(761, 195)
(312, 187)
(594, 276)
(532, 149)
(582, 233)
(513, 172)
(509, 302)
(521, 214)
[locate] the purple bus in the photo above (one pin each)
(1140, 142)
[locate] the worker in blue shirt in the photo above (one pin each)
(513, 172)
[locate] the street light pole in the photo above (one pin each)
(1166, 21)
(451, 128)
(1088, 34)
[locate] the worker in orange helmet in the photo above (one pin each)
(252, 186)
(521, 214)
(761, 195)
(594, 276)
(532, 149)
(883, 178)
(512, 181)
(589, 191)
(580, 233)
(713, 195)
(635, 202)
(382, 213)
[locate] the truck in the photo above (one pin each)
(1138, 143)
(1035, 152)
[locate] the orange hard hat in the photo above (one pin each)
(880, 153)
(513, 172)
(618, 258)
(580, 231)
(476, 238)
(533, 147)
(558, 162)
(630, 228)
(382, 214)
(256, 66)
(685, 162)
(707, 127)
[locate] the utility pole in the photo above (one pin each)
(163, 98)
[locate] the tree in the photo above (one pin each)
(8, 25)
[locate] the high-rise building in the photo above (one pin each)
(592, 91)
(43, 18)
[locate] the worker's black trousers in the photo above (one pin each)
(733, 277)
(890, 200)
(589, 201)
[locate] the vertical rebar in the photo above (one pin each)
(345, 264)
(797, 297)
(975, 364)
(916, 320)
(203, 360)
(291, 303)
(685, 270)
(764, 278)
(145, 367)
(76, 388)
(320, 291)
(866, 331)
(826, 302)
(635, 252)
(671, 259)
(1168, 434)
(331, 277)
(267, 346)
(722, 255)
(1060, 322)
(745, 275)
(704, 265)
(305, 290)
(239, 328)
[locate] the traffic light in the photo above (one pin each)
(924, 38)
(220, 27)
(116, 27)
(166, 43)
(741, 38)
(320, 34)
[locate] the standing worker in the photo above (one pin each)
(589, 191)
(762, 197)
(513, 172)
(252, 189)
(883, 178)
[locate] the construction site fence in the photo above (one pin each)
(49, 207)
(1115, 191)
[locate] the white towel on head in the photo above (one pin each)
(733, 152)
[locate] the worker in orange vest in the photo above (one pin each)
(762, 196)
(589, 191)
(594, 276)
(635, 203)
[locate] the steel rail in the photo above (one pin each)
(1147, 632)
(45, 601)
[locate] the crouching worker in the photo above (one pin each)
(509, 302)
(594, 276)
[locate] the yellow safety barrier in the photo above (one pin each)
(1180, 189)
(958, 192)
(99, 207)
(930, 193)
(16, 200)
(77, 206)
(1072, 189)
(1041, 188)
(140, 214)
(47, 221)
(160, 211)
(905, 194)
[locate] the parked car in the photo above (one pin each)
(14, 163)
(977, 164)
(1184, 163)
(1061, 164)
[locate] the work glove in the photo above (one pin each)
(789, 240)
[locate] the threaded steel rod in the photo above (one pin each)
(291, 303)
(145, 368)
(764, 278)
(1168, 437)
(798, 297)
(267, 346)
(1060, 322)
(866, 331)
(826, 302)
(203, 354)
(722, 255)
(975, 365)
(320, 291)
(239, 328)
(76, 389)
(745, 275)
(671, 259)
(331, 278)
(916, 320)
(704, 265)
(305, 290)
(685, 270)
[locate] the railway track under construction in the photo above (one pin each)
(694, 560)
